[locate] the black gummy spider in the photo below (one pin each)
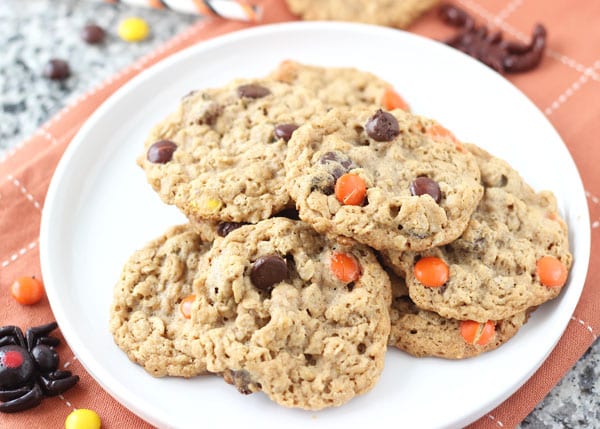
(29, 368)
(490, 48)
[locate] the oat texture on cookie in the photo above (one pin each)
(382, 178)
(493, 265)
(341, 86)
(281, 320)
(146, 318)
(220, 155)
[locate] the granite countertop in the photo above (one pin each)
(28, 100)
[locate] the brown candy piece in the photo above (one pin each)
(285, 131)
(93, 34)
(161, 152)
(382, 126)
(56, 69)
(267, 271)
(252, 90)
(424, 185)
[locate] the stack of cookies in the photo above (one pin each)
(326, 223)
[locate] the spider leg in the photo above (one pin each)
(55, 386)
(9, 395)
(33, 334)
(28, 400)
(12, 335)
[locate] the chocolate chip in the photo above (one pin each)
(56, 69)
(290, 213)
(285, 131)
(336, 157)
(267, 271)
(161, 152)
(382, 126)
(92, 34)
(224, 228)
(424, 185)
(253, 91)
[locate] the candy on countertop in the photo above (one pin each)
(29, 368)
(83, 418)
(56, 69)
(27, 290)
(93, 34)
(133, 29)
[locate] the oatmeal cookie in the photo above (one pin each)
(341, 86)
(423, 333)
(294, 314)
(145, 317)
(394, 13)
(391, 180)
(220, 156)
(499, 266)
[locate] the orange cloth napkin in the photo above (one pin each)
(566, 87)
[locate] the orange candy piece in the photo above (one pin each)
(345, 267)
(392, 100)
(431, 271)
(27, 290)
(185, 307)
(438, 131)
(350, 189)
(551, 271)
(469, 330)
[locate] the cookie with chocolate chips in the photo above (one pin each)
(423, 333)
(513, 255)
(340, 86)
(391, 180)
(398, 13)
(294, 314)
(220, 155)
(145, 318)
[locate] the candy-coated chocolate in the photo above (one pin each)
(133, 29)
(83, 418)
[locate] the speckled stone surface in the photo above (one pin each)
(33, 31)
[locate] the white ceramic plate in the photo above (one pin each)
(99, 209)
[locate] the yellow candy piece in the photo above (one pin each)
(82, 419)
(133, 29)
(213, 204)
